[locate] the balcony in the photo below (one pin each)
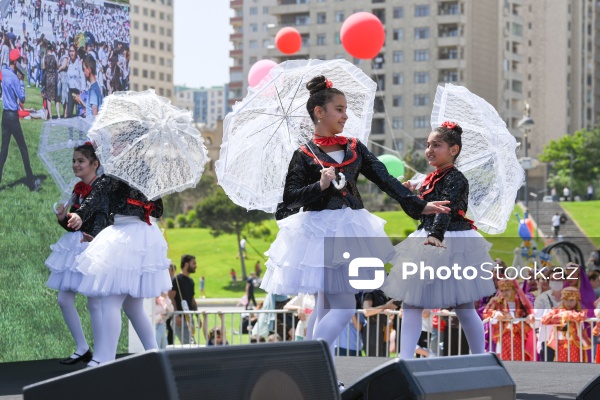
(293, 8)
(237, 35)
(236, 3)
(236, 68)
(237, 52)
(236, 85)
(235, 21)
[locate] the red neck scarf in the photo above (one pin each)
(148, 208)
(432, 179)
(330, 141)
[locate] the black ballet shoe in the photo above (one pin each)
(86, 357)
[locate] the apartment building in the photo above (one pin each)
(208, 105)
(151, 64)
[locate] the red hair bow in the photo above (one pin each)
(449, 125)
(328, 83)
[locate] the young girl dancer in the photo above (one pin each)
(297, 262)
(64, 276)
(463, 245)
(125, 263)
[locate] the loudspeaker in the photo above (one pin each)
(591, 391)
(481, 376)
(291, 371)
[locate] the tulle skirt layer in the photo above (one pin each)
(432, 277)
(62, 264)
(313, 251)
(129, 257)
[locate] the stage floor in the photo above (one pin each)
(543, 381)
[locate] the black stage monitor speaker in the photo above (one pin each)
(472, 377)
(291, 371)
(591, 391)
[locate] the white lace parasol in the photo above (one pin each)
(58, 139)
(145, 141)
(488, 157)
(263, 130)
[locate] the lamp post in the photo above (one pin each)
(525, 125)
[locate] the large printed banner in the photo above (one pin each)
(55, 42)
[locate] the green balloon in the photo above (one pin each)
(394, 165)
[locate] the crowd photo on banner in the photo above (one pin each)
(53, 39)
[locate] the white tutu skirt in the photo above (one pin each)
(64, 275)
(300, 263)
(129, 257)
(444, 288)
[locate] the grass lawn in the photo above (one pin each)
(587, 215)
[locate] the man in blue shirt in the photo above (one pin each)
(13, 91)
(94, 99)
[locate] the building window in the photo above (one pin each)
(253, 10)
(517, 86)
(398, 56)
(265, 9)
(321, 39)
(422, 55)
(517, 29)
(266, 43)
(421, 100)
(422, 33)
(161, 76)
(397, 78)
(337, 40)
(398, 34)
(421, 77)
(302, 20)
(145, 73)
(398, 12)
(135, 87)
(321, 18)
(161, 61)
(448, 75)
(420, 122)
(340, 16)
(397, 123)
(253, 27)
(397, 101)
(136, 72)
(422, 10)
(145, 58)
(169, 78)
(152, 75)
(136, 10)
(253, 44)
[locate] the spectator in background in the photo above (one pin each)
(594, 277)
(243, 247)
(545, 302)
(202, 283)
(566, 193)
(593, 263)
(590, 192)
(257, 269)
(169, 322)
(163, 308)
(304, 305)
(250, 284)
(233, 277)
(349, 342)
(75, 81)
(183, 296)
(556, 223)
(216, 336)
(377, 333)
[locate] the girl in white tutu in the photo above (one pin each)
(125, 263)
(330, 210)
(442, 241)
(64, 276)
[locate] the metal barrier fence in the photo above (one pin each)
(374, 336)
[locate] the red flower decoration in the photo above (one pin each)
(328, 83)
(449, 125)
(82, 189)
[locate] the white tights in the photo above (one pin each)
(332, 313)
(411, 329)
(66, 302)
(106, 349)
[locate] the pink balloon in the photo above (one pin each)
(288, 40)
(362, 35)
(259, 70)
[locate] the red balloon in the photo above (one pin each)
(362, 35)
(288, 40)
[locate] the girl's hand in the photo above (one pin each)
(432, 241)
(436, 207)
(409, 186)
(86, 237)
(61, 212)
(327, 175)
(75, 221)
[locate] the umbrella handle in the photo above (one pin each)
(341, 184)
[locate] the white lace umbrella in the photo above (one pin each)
(58, 138)
(488, 157)
(145, 141)
(263, 130)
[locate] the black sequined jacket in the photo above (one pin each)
(302, 188)
(94, 224)
(114, 193)
(454, 187)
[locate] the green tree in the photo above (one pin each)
(417, 161)
(574, 156)
(179, 203)
(221, 215)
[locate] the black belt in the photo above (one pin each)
(11, 111)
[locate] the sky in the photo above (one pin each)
(201, 34)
